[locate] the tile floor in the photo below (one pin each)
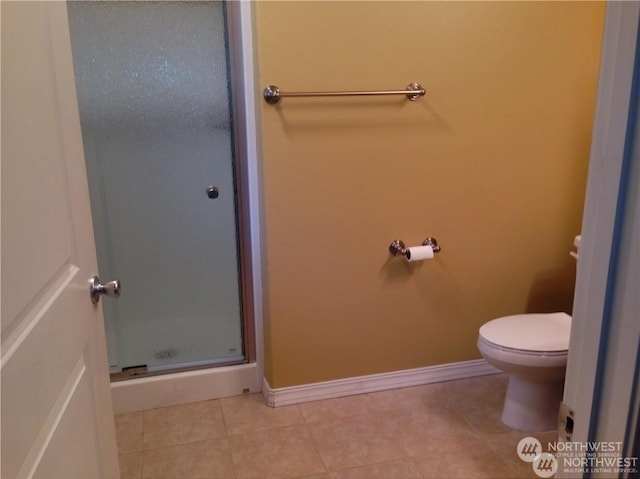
(444, 430)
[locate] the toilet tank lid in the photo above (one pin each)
(530, 332)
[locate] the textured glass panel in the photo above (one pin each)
(152, 85)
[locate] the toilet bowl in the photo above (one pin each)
(532, 349)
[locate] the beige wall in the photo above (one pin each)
(492, 162)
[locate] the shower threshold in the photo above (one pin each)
(143, 371)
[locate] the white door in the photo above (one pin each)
(57, 417)
(601, 372)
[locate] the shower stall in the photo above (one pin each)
(160, 106)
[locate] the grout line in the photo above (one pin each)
(179, 444)
(315, 445)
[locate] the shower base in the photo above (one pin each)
(185, 387)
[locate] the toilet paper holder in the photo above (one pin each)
(397, 247)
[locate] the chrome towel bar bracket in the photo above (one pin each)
(272, 93)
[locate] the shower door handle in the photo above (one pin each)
(97, 289)
(212, 192)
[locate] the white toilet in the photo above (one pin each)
(532, 349)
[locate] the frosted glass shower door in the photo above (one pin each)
(153, 89)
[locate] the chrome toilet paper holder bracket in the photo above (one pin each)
(397, 247)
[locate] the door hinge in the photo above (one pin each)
(566, 418)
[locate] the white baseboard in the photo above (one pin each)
(375, 382)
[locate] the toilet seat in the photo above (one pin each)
(521, 352)
(508, 358)
(529, 334)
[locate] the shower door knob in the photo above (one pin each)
(212, 192)
(110, 289)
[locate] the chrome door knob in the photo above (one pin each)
(97, 289)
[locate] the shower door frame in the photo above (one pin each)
(209, 382)
(241, 154)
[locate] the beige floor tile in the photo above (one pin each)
(283, 452)
(477, 391)
(209, 459)
(169, 426)
(129, 432)
(462, 458)
(336, 408)
(355, 441)
(130, 466)
(480, 400)
(250, 413)
(486, 420)
(400, 469)
(416, 432)
(417, 397)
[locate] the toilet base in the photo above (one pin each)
(532, 405)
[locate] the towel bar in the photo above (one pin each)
(272, 93)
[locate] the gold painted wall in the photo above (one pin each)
(492, 162)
